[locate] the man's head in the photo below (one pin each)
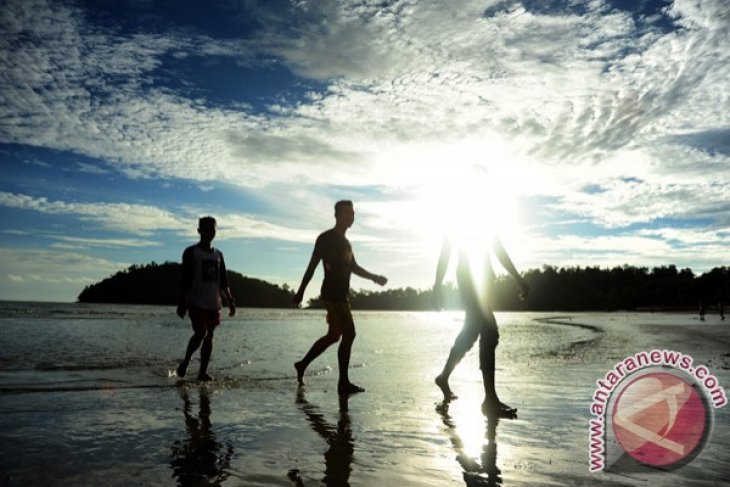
(206, 228)
(344, 212)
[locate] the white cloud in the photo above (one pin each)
(135, 219)
(46, 275)
(562, 100)
(146, 220)
(86, 242)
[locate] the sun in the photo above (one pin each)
(469, 204)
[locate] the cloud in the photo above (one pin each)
(41, 274)
(86, 242)
(134, 219)
(565, 97)
(627, 201)
(146, 220)
(696, 250)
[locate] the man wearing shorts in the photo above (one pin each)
(479, 321)
(203, 283)
(335, 252)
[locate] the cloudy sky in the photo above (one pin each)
(588, 132)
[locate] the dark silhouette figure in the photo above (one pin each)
(479, 321)
(702, 311)
(721, 310)
(341, 445)
(203, 282)
(476, 474)
(199, 460)
(335, 252)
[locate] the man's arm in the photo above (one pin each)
(313, 262)
(186, 279)
(225, 290)
(506, 262)
(359, 271)
(441, 267)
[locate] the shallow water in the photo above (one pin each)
(88, 397)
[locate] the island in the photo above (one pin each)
(629, 288)
(160, 284)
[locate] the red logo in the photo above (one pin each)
(660, 419)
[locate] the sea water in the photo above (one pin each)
(88, 396)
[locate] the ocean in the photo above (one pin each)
(88, 396)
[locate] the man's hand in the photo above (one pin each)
(296, 300)
(231, 308)
(380, 280)
(525, 289)
(438, 299)
(181, 310)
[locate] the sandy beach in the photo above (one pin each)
(88, 397)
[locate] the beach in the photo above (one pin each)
(88, 396)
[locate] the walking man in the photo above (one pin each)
(335, 252)
(203, 283)
(479, 321)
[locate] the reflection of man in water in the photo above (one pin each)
(199, 460)
(486, 474)
(335, 252)
(338, 457)
(479, 321)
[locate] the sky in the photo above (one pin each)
(586, 133)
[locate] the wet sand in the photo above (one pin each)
(253, 426)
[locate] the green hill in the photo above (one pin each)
(160, 284)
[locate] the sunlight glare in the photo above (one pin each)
(470, 204)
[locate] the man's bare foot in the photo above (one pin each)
(204, 377)
(349, 388)
(300, 372)
(499, 410)
(182, 369)
(443, 384)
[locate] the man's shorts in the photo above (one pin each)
(204, 319)
(485, 325)
(339, 317)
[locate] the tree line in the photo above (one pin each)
(160, 284)
(551, 289)
(575, 289)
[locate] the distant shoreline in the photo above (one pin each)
(648, 310)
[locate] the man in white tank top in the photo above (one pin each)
(203, 283)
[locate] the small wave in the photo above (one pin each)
(568, 321)
(88, 366)
(103, 387)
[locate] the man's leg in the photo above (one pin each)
(205, 352)
(463, 343)
(343, 315)
(487, 361)
(322, 344)
(343, 359)
(193, 345)
(211, 319)
(194, 342)
(317, 348)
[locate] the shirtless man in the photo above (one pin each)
(335, 252)
(479, 321)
